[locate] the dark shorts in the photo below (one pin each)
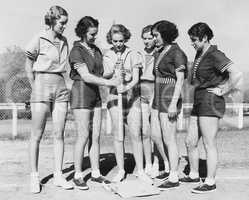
(84, 96)
(147, 91)
(163, 97)
(208, 104)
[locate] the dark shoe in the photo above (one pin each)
(204, 188)
(168, 185)
(100, 180)
(80, 184)
(162, 177)
(187, 179)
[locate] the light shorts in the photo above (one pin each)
(49, 87)
(147, 91)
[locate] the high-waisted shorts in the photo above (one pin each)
(49, 87)
(208, 104)
(84, 95)
(147, 91)
(164, 90)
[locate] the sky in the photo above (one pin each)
(20, 20)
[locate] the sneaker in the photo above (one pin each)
(80, 183)
(60, 181)
(100, 179)
(145, 178)
(204, 188)
(120, 176)
(162, 177)
(168, 184)
(187, 179)
(35, 185)
(154, 171)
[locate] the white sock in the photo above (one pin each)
(166, 166)
(148, 166)
(173, 176)
(155, 166)
(193, 174)
(78, 175)
(210, 181)
(140, 172)
(96, 173)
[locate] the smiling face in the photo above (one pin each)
(158, 38)
(118, 41)
(197, 43)
(148, 40)
(91, 34)
(60, 25)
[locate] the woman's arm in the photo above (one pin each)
(233, 83)
(28, 67)
(90, 78)
(134, 81)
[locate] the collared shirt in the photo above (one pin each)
(148, 64)
(130, 59)
(172, 61)
(49, 55)
(210, 69)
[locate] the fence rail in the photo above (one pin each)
(239, 107)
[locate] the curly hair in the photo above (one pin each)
(118, 28)
(200, 30)
(146, 29)
(54, 13)
(167, 30)
(83, 25)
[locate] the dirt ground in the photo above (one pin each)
(232, 175)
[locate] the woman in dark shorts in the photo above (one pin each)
(47, 55)
(86, 70)
(169, 70)
(212, 76)
(117, 36)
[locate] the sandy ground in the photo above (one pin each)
(232, 175)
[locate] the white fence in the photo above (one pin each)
(21, 106)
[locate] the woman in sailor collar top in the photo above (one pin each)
(45, 65)
(86, 71)
(170, 70)
(213, 75)
(120, 54)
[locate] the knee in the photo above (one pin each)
(146, 135)
(156, 138)
(191, 143)
(36, 136)
(95, 139)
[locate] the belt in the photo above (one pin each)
(167, 80)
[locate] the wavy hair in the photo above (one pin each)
(200, 30)
(54, 13)
(167, 30)
(118, 28)
(83, 25)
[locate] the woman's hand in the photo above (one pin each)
(121, 89)
(172, 112)
(114, 81)
(217, 91)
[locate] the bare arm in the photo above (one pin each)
(90, 78)
(232, 84)
(178, 87)
(28, 67)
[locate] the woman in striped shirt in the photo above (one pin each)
(86, 71)
(213, 76)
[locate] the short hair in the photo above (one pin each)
(168, 30)
(54, 13)
(83, 24)
(146, 29)
(200, 30)
(118, 28)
